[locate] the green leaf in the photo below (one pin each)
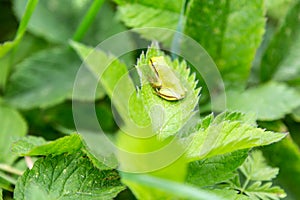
(12, 126)
(171, 189)
(102, 158)
(224, 136)
(68, 177)
(214, 170)
(286, 156)
(34, 192)
(55, 23)
(282, 49)
(1, 195)
(258, 191)
(268, 101)
(61, 117)
(5, 185)
(48, 82)
(289, 67)
(277, 9)
(296, 114)
(7, 178)
(255, 168)
(163, 4)
(167, 117)
(6, 47)
(141, 15)
(229, 194)
(34, 146)
(29, 8)
(114, 75)
(230, 31)
(27, 46)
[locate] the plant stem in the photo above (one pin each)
(25, 19)
(245, 184)
(8, 178)
(30, 7)
(87, 20)
(10, 169)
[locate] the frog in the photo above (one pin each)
(165, 82)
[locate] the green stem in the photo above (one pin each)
(87, 20)
(30, 7)
(10, 169)
(25, 19)
(245, 184)
(8, 178)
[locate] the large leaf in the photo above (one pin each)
(214, 170)
(68, 177)
(283, 49)
(227, 134)
(52, 21)
(168, 117)
(230, 31)
(47, 78)
(268, 101)
(12, 125)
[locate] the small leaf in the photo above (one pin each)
(12, 126)
(255, 168)
(259, 191)
(143, 16)
(68, 177)
(34, 146)
(216, 169)
(230, 31)
(222, 137)
(269, 101)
